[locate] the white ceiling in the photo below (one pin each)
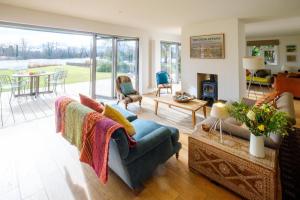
(166, 15)
(273, 28)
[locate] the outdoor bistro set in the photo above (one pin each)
(28, 84)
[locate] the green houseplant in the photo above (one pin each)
(261, 121)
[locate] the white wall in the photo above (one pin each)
(283, 41)
(32, 17)
(231, 75)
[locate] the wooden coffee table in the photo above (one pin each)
(193, 105)
(230, 164)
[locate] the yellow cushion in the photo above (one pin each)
(115, 115)
(259, 79)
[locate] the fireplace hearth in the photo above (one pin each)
(207, 87)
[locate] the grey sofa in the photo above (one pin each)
(284, 103)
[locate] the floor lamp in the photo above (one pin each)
(253, 64)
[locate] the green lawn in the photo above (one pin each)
(75, 74)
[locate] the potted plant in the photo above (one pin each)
(261, 122)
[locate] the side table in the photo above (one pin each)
(231, 165)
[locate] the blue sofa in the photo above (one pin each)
(156, 143)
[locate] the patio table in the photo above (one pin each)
(34, 82)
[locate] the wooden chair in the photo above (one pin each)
(163, 81)
(129, 98)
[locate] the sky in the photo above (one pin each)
(36, 38)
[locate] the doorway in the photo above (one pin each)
(171, 59)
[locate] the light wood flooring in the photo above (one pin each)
(37, 164)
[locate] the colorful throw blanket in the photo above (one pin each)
(97, 131)
(60, 109)
(74, 119)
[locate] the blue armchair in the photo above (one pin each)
(155, 145)
(163, 81)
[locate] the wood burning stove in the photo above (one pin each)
(210, 90)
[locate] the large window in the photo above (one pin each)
(170, 59)
(269, 52)
(24, 50)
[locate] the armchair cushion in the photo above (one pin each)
(164, 85)
(127, 88)
(162, 78)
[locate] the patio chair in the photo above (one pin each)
(125, 91)
(58, 78)
(163, 81)
(12, 86)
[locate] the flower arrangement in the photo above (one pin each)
(261, 120)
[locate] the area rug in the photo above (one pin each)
(176, 117)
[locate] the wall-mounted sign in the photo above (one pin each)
(207, 46)
(291, 58)
(291, 48)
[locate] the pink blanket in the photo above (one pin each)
(97, 134)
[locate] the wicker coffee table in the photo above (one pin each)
(232, 166)
(193, 105)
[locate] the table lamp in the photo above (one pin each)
(253, 63)
(220, 112)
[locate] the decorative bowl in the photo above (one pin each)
(182, 97)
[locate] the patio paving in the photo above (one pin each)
(30, 108)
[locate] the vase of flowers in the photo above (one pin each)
(261, 122)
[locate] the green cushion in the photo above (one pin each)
(127, 88)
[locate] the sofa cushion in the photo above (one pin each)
(115, 115)
(273, 141)
(127, 114)
(144, 127)
(91, 103)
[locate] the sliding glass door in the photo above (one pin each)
(127, 59)
(104, 66)
(115, 56)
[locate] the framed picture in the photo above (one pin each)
(291, 48)
(207, 46)
(291, 58)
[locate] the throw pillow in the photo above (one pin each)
(271, 97)
(262, 73)
(91, 103)
(127, 88)
(162, 78)
(115, 115)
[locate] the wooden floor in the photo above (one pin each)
(37, 164)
